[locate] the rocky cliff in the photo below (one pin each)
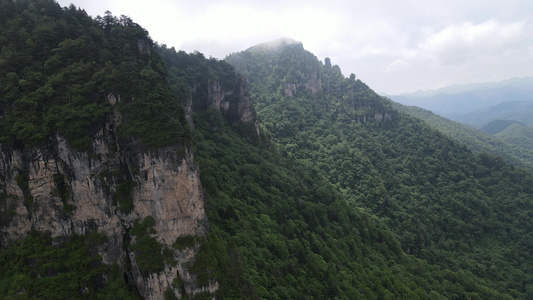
(286, 69)
(97, 141)
(58, 190)
(232, 100)
(61, 191)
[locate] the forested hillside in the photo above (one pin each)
(57, 65)
(280, 230)
(519, 111)
(331, 194)
(277, 230)
(501, 109)
(519, 135)
(93, 83)
(449, 207)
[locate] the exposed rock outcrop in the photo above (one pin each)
(307, 77)
(57, 189)
(62, 191)
(232, 101)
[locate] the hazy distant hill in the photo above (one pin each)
(501, 108)
(498, 125)
(520, 83)
(518, 111)
(462, 99)
(518, 134)
(512, 142)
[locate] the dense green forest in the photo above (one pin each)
(340, 196)
(57, 67)
(456, 210)
(280, 230)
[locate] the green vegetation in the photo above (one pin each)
(497, 126)
(22, 181)
(63, 191)
(57, 66)
(340, 196)
(185, 241)
(514, 144)
(124, 196)
(150, 255)
(453, 210)
(286, 232)
(518, 135)
(279, 229)
(39, 267)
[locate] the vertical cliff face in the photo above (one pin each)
(58, 190)
(62, 191)
(304, 74)
(232, 101)
(135, 164)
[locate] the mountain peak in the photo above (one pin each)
(276, 44)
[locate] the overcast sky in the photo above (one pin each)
(393, 46)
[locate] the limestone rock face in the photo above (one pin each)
(245, 111)
(59, 190)
(232, 100)
(306, 76)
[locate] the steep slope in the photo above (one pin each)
(278, 229)
(102, 196)
(96, 158)
(457, 211)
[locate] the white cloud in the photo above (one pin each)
(393, 46)
(228, 26)
(396, 64)
(458, 43)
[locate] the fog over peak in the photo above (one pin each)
(394, 47)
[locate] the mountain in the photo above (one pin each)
(130, 170)
(135, 171)
(510, 111)
(456, 101)
(498, 125)
(490, 107)
(519, 83)
(442, 202)
(100, 192)
(519, 135)
(508, 143)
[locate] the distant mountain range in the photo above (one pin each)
(511, 140)
(501, 111)
(496, 126)
(454, 101)
(512, 111)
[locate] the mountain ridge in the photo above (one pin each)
(523, 83)
(326, 130)
(477, 141)
(292, 182)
